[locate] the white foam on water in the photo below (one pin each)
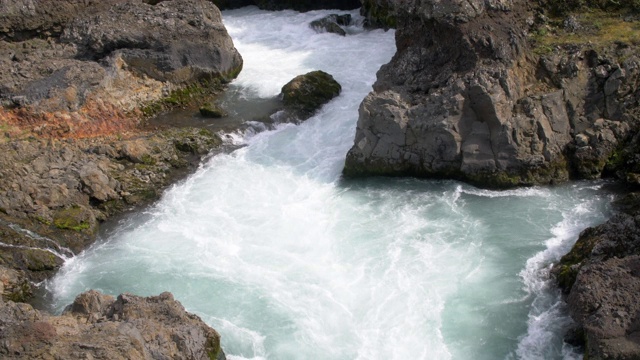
(268, 245)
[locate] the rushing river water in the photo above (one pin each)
(287, 261)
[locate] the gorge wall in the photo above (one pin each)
(466, 97)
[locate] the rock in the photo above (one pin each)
(55, 193)
(212, 111)
(178, 41)
(76, 218)
(379, 13)
(332, 23)
(14, 285)
(464, 99)
(135, 151)
(27, 19)
(601, 275)
(114, 60)
(306, 93)
(97, 184)
(97, 326)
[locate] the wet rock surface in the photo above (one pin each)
(601, 276)
(98, 326)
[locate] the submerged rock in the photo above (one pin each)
(212, 111)
(332, 23)
(99, 326)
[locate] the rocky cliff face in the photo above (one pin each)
(111, 60)
(97, 326)
(466, 98)
(601, 277)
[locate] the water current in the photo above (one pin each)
(286, 260)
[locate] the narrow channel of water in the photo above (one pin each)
(287, 261)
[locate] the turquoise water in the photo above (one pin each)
(289, 261)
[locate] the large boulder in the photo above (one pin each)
(305, 94)
(176, 41)
(111, 61)
(601, 276)
(464, 98)
(99, 326)
(24, 19)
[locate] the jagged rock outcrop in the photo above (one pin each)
(601, 277)
(465, 98)
(111, 60)
(101, 327)
(176, 41)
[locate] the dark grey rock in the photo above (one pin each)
(460, 99)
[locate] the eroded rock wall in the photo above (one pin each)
(112, 59)
(466, 98)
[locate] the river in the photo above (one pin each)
(287, 260)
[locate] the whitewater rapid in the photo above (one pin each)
(287, 260)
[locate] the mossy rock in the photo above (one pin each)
(308, 92)
(77, 218)
(379, 16)
(212, 111)
(39, 260)
(567, 269)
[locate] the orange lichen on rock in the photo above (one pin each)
(95, 118)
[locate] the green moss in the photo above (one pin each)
(598, 30)
(39, 260)
(148, 159)
(569, 265)
(187, 95)
(566, 277)
(310, 91)
(71, 219)
(213, 348)
(22, 293)
(563, 7)
(379, 16)
(42, 220)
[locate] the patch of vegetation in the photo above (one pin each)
(71, 219)
(148, 159)
(379, 15)
(569, 266)
(596, 28)
(563, 7)
(188, 95)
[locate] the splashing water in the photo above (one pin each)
(287, 261)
